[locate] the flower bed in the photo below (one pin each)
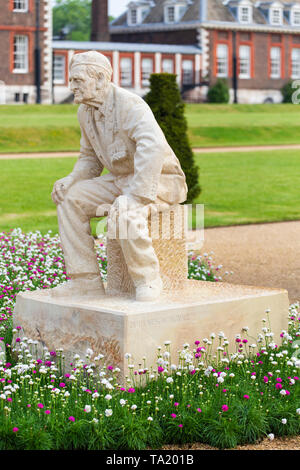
(220, 399)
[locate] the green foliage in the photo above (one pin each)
(287, 92)
(74, 14)
(168, 108)
(219, 93)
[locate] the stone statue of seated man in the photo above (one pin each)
(119, 133)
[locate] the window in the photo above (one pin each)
(245, 61)
(147, 70)
(276, 16)
(295, 17)
(187, 72)
(245, 14)
(295, 63)
(20, 57)
(126, 71)
(59, 69)
(222, 60)
(168, 66)
(20, 5)
(170, 14)
(133, 16)
(275, 62)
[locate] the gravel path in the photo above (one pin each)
(266, 255)
(288, 443)
(196, 150)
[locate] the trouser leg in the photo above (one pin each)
(74, 214)
(138, 252)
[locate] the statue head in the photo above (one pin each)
(90, 75)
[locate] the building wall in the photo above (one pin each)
(183, 37)
(260, 77)
(14, 23)
(62, 92)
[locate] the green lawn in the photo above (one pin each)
(241, 188)
(55, 128)
(236, 189)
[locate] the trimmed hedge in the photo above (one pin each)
(168, 108)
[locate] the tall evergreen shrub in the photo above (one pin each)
(168, 108)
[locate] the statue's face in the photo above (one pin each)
(84, 87)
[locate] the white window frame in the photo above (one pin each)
(188, 75)
(295, 62)
(25, 53)
(245, 62)
(249, 10)
(169, 67)
(275, 61)
(171, 8)
(274, 10)
(222, 61)
(146, 71)
(20, 9)
(131, 12)
(295, 12)
(126, 78)
(62, 80)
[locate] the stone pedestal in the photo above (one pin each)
(114, 325)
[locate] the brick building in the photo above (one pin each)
(132, 64)
(264, 35)
(17, 38)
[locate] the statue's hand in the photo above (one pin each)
(60, 188)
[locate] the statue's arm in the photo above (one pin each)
(88, 165)
(151, 148)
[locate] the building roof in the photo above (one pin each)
(125, 47)
(205, 11)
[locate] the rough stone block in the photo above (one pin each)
(115, 325)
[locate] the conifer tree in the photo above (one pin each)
(168, 108)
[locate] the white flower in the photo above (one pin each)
(122, 402)
(172, 396)
(170, 380)
(284, 421)
(127, 355)
(134, 407)
(89, 352)
(149, 419)
(96, 395)
(95, 420)
(167, 343)
(108, 412)
(108, 397)
(87, 408)
(271, 437)
(298, 411)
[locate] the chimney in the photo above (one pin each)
(100, 31)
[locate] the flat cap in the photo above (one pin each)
(94, 58)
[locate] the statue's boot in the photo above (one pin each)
(149, 292)
(81, 286)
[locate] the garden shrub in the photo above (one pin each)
(168, 108)
(287, 92)
(219, 92)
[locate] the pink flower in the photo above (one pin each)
(266, 379)
(9, 399)
(173, 415)
(28, 406)
(62, 385)
(199, 410)
(180, 425)
(131, 390)
(47, 412)
(176, 404)
(15, 429)
(278, 386)
(225, 408)
(40, 405)
(160, 369)
(246, 397)
(71, 418)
